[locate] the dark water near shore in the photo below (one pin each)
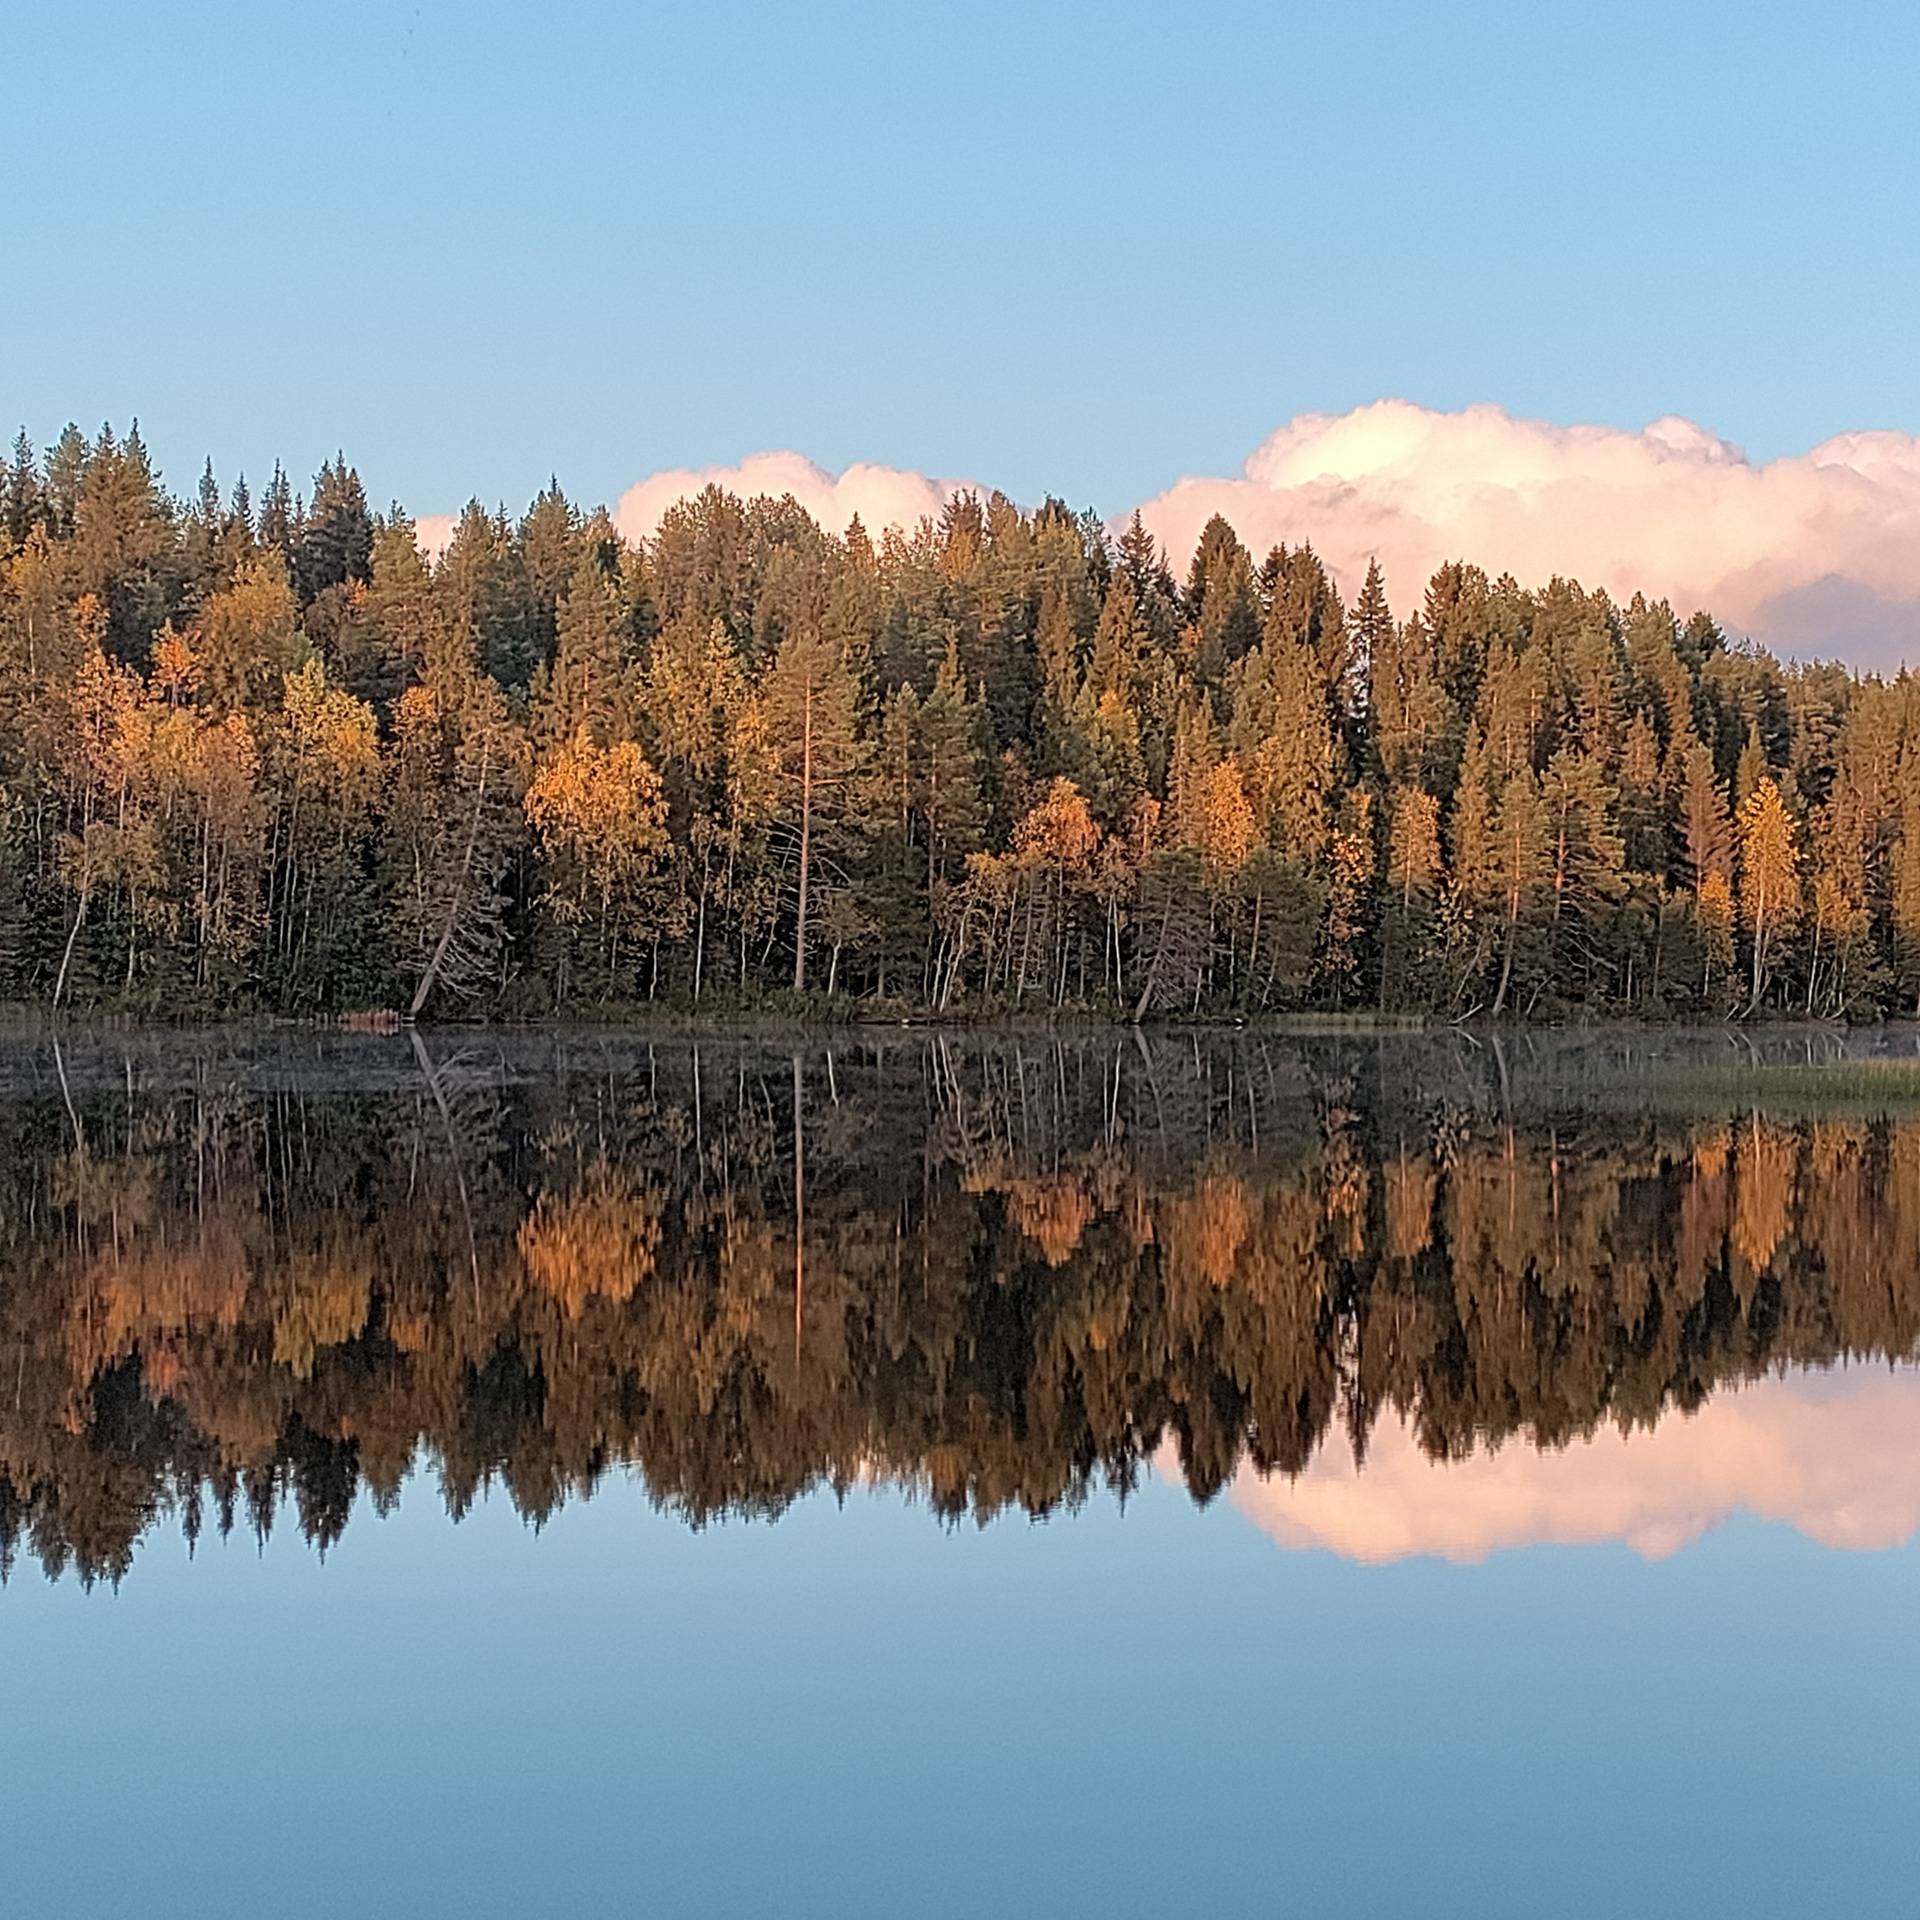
(956, 1474)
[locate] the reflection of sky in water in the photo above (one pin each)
(856, 1712)
(1835, 1454)
(1652, 1673)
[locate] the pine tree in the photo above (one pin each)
(1643, 800)
(549, 545)
(1279, 726)
(811, 699)
(1351, 858)
(1407, 708)
(1752, 768)
(949, 729)
(1473, 892)
(483, 589)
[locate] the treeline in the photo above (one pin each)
(1004, 1278)
(269, 755)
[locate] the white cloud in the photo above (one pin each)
(881, 496)
(1837, 1456)
(433, 533)
(1811, 553)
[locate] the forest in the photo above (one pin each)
(1003, 1277)
(269, 756)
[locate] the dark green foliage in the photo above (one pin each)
(281, 758)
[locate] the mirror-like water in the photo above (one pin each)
(1476, 1473)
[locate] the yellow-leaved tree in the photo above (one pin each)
(1769, 878)
(601, 822)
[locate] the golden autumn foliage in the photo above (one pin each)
(1018, 1272)
(1769, 875)
(600, 809)
(595, 1245)
(1058, 831)
(1000, 760)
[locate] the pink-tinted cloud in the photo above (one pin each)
(881, 496)
(1837, 1456)
(433, 533)
(1811, 553)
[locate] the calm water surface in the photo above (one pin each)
(1214, 1475)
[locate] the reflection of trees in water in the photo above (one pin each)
(1020, 1268)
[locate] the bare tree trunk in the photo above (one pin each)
(799, 1210)
(806, 842)
(1153, 969)
(454, 900)
(700, 936)
(73, 935)
(1506, 965)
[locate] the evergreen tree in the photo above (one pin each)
(65, 473)
(1223, 603)
(995, 760)
(25, 504)
(336, 542)
(279, 518)
(590, 685)
(1904, 905)
(1412, 881)
(811, 702)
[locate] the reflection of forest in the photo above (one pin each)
(1003, 1273)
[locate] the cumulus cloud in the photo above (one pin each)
(433, 533)
(881, 496)
(1811, 553)
(1836, 1456)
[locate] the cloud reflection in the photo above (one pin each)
(1836, 1456)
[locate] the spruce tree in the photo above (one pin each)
(336, 543)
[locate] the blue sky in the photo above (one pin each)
(1072, 249)
(860, 1711)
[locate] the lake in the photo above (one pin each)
(964, 1474)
